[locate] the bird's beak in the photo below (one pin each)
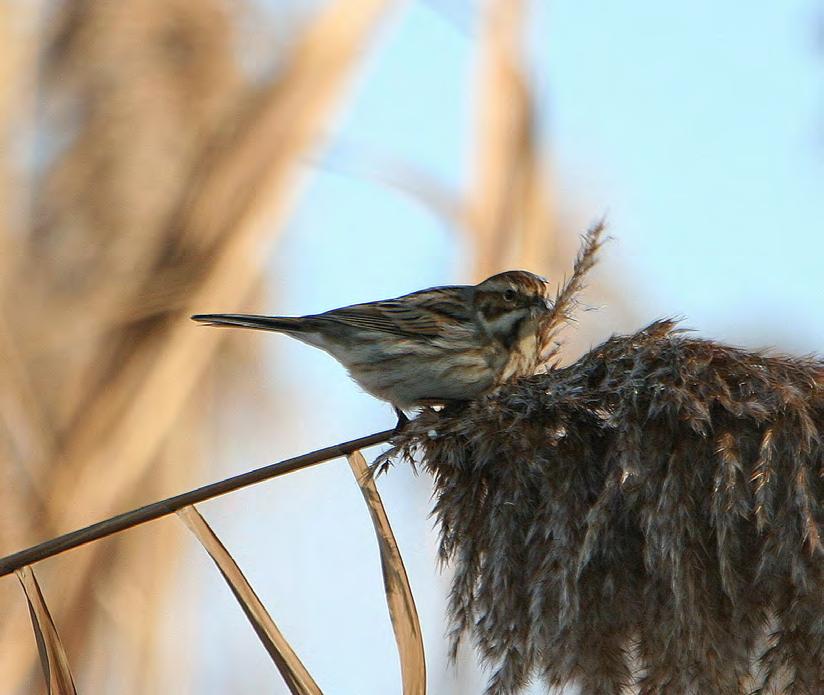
(540, 306)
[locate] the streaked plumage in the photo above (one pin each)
(433, 346)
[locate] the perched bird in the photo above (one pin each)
(430, 347)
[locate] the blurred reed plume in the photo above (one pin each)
(157, 160)
(648, 519)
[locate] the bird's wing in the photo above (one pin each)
(425, 313)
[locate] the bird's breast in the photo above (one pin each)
(522, 358)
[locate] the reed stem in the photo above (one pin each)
(170, 505)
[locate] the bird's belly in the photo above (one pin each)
(416, 376)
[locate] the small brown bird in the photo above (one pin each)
(429, 347)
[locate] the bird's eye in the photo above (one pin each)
(510, 295)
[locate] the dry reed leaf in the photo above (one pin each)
(52, 655)
(399, 597)
(297, 678)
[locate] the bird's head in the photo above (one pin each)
(512, 304)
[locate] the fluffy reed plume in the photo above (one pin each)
(647, 519)
(651, 514)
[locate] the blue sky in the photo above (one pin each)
(699, 126)
(696, 126)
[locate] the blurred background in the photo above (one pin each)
(164, 158)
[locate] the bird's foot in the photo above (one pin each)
(403, 420)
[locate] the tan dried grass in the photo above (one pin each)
(399, 597)
(52, 654)
(294, 673)
(402, 607)
(99, 371)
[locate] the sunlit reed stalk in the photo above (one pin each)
(170, 505)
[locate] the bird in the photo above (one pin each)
(433, 347)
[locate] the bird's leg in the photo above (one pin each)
(402, 419)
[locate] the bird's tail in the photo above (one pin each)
(261, 323)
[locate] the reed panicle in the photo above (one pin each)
(648, 517)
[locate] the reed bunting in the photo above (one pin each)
(435, 346)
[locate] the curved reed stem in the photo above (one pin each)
(170, 505)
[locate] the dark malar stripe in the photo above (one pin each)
(510, 338)
(506, 325)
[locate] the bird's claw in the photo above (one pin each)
(403, 420)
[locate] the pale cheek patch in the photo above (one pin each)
(503, 325)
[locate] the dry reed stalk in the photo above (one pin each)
(52, 654)
(294, 673)
(109, 527)
(170, 505)
(138, 383)
(508, 207)
(399, 597)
